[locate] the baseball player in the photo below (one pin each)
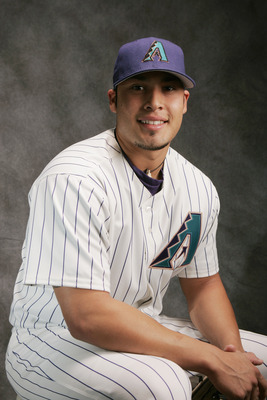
(112, 220)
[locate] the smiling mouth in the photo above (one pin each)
(149, 122)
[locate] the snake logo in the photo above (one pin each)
(181, 249)
(156, 49)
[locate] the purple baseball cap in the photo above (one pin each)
(150, 54)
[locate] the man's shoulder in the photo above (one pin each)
(186, 168)
(82, 157)
(102, 145)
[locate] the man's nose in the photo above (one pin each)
(154, 100)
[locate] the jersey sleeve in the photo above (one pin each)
(205, 261)
(67, 241)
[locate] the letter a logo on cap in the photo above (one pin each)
(156, 49)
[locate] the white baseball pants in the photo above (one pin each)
(50, 364)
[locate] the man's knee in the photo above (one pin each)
(157, 379)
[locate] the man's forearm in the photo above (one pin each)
(213, 315)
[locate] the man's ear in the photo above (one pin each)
(186, 97)
(112, 100)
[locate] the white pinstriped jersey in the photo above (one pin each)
(94, 225)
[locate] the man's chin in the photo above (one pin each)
(151, 147)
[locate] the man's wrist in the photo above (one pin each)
(209, 363)
(198, 356)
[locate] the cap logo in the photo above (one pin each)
(156, 49)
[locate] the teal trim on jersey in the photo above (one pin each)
(182, 246)
(156, 49)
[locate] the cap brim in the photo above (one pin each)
(188, 82)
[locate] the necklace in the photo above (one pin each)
(149, 171)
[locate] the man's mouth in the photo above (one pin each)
(149, 122)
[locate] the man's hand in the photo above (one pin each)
(233, 372)
(238, 377)
(251, 356)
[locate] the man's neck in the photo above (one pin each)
(149, 161)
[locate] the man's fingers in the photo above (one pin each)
(255, 393)
(254, 359)
(230, 348)
(262, 388)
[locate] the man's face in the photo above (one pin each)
(149, 109)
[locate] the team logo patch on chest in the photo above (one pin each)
(181, 249)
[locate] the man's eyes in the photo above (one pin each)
(167, 88)
(137, 87)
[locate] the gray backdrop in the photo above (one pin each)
(56, 66)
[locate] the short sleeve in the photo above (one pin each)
(67, 241)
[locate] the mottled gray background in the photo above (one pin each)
(56, 61)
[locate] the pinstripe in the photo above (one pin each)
(53, 312)
(30, 304)
(122, 218)
(158, 288)
(140, 275)
(187, 187)
(31, 234)
(65, 230)
(144, 234)
(17, 294)
(177, 377)
(109, 183)
(42, 308)
(141, 197)
(196, 267)
(24, 306)
(198, 196)
(89, 228)
(77, 267)
(160, 230)
(35, 299)
(207, 261)
(77, 205)
(95, 182)
(209, 207)
(53, 232)
(128, 289)
(170, 175)
(159, 376)
(131, 229)
(171, 223)
(213, 251)
(75, 231)
(101, 260)
(91, 280)
(165, 203)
